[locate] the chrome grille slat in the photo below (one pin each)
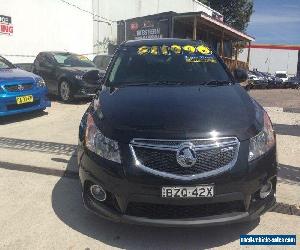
(159, 156)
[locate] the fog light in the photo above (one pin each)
(98, 192)
(265, 190)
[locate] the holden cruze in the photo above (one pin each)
(172, 139)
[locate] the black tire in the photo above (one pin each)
(65, 91)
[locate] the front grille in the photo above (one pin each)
(19, 87)
(165, 211)
(211, 157)
(22, 106)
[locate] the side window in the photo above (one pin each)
(113, 72)
(37, 60)
(45, 61)
(100, 61)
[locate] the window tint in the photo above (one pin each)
(281, 75)
(45, 61)
(102, 61)
(4, 64)
(72, 60)
(132, 67)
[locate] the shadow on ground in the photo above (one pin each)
(284, 129)
(289, 174)
(77, 101)
(38, 146)
(67, 204)
(22, 117)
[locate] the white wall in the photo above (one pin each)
(41, 25)
(271, 60)
(45, 25)
(125, 9)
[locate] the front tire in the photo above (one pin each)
(65, 92)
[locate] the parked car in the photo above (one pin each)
(172, 140)
(102, 61)
(68, 75)
(25, 66)
(273, 82)
(257, 80)
(20, 91)
(293, 82)
(282, 75)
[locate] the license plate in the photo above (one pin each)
(24, 99)
(188, 192)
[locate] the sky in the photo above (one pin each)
(275, 22)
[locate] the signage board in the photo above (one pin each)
(142, 28)
(6, 26)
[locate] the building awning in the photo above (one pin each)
(227, 28)
(215, 24)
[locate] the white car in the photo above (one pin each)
(282, 75)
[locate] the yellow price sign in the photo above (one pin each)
(204, 50)
(144, 50)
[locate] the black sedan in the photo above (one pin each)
(273, 81)
(172, 139)
(68, 75)
(257, 80)
(293, 82)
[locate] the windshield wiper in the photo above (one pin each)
(217, 83)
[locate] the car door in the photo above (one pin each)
(46, 68)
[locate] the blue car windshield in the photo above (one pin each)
(4, 64)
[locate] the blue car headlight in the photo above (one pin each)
(263, 141)
(101, 145)
(40, 83)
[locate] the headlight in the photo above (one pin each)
(40, 82)
(262, 142)
(96, 142)
(78, 77)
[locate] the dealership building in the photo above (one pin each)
(80, 26)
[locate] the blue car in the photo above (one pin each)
(20, 91)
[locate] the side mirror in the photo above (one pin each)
(240, 75)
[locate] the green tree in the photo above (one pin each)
(236, 13)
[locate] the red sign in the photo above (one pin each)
(6, 29)
(6, 26)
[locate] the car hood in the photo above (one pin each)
(181, 112)
(15, 74)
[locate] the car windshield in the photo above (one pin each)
(281, 75)
(72, 60)
(167, 65)
(4, 64)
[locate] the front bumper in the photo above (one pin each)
(8, 105)
(85, 89)
(134, 196)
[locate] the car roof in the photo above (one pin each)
(103, 55)
(161, 41)
(57, 52)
